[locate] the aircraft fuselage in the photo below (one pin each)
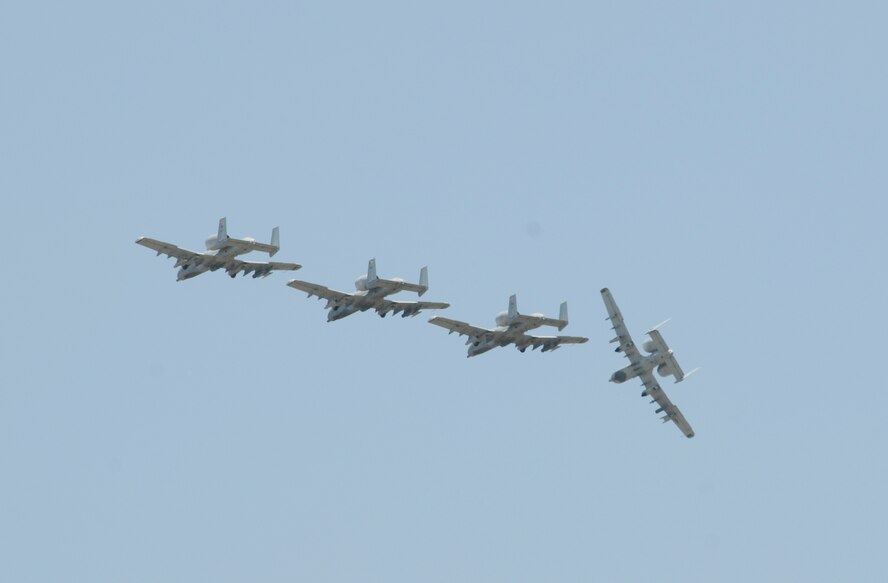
(646, 364)
(190, 270)
(504, 335)
(360, 301)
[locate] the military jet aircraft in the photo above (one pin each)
(371, 293)
(511, 328)
(660, 357)
(221, 252)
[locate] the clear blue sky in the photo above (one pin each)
(723, 166)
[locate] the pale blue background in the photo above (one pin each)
(721, 165)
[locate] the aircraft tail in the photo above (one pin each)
(660, 325)
(275, 241)
(423, 280)
(371, 272)
(562, 316)
(222, 234)
(513, 307)
(689, 374)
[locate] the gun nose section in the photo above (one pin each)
(334, 314)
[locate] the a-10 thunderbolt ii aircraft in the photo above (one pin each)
(221, 253)
(659, 357)
(511, 328)
(371, 293)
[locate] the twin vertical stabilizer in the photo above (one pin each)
(537, 319)
(371, 272)
(398, 284)
(513, 307)
(562, 315)
(423, 280)
(275, 241)
(222, 234)
(248, 244)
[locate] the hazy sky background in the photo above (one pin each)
(721, 165)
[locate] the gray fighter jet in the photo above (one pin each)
(659, 357)
(221, 253)
(511, 328)
(371, 293)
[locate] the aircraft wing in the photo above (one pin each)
(258, 268)
(408, 308)
(462, 328)
(626, 345)
(670, 411)
(332, 296)
(170, 250)
(548, 342)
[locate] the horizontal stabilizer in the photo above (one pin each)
(658, 326)
(397, 284)
(249, 244)
(689, 374)
(536, 320)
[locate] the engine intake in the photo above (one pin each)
(664, 370)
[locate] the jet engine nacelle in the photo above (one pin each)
(212, 242)
(650, 346)
(664, 370)
(361, 283)
(502, 319)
